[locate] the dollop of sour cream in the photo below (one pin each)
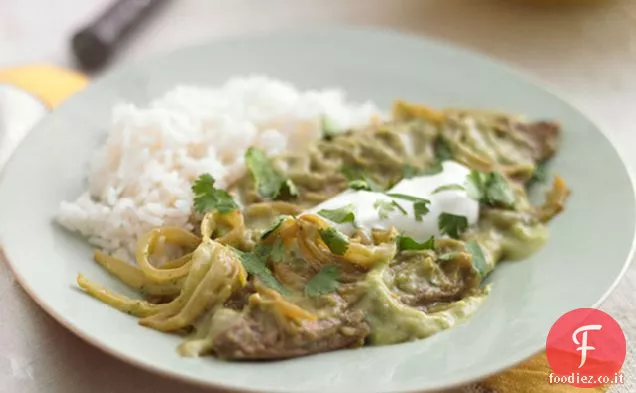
(365, 204)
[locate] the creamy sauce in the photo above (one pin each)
(393, 322)
(364, 204)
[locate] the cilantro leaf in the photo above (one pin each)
(443, 151)
(420, 208)
(489, 188)
(203, 184)
(409, 171)
(325, 281)
(404, 196)
(373, 186)
(420, 205)
(384, 207)
(270, 183)
(208, 198)
(433, 169)
(476, 184)
(341, 215)
(365, 184)
(359, 185)
(262, 250)
(359, 180)
(329, 128)
(540, 174)
(478, 260)
(289, 188)
(274, 227)
(255, 263)
(499, 190)
(405, 243)
(350, 172)
(335, 240)
(448, 187)
(400, 208)
(452, 225)
(278, 251)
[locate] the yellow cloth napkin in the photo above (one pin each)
(531, 377)
(52, 85)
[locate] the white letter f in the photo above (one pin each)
(584, 347)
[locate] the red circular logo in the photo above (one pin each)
(586, 348)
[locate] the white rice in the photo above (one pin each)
(141, 177)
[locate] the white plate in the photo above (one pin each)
(587, 253)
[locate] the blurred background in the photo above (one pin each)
(584, 48)
(587, 48)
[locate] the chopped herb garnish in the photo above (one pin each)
(384, 207)
(270, 183)
(255, 263)
(278, 251)
(540, 174)
(406, 243)
(207, 198)
(325, 281)
(478, 260)
(289, 188)
(340, 216)
(420, 205)
(262, 250)
(400, 208)
(409, 171)
(448, 187)
(404, 196)
(350, 172)
(359, 180)
(359, 185)
(274, 227)
(499, 190)
(329, 128)
(434, 169)
(489, 188)
(476, 184)
(420, 208)
(443, 151)
(452, 225)
(335, 240)
(365, 184)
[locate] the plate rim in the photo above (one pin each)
(474, 377)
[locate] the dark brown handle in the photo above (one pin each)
(94, 44)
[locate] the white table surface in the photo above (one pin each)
(588, 52)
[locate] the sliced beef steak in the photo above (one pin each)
(260, 336)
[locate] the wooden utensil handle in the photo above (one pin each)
(94, 44)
